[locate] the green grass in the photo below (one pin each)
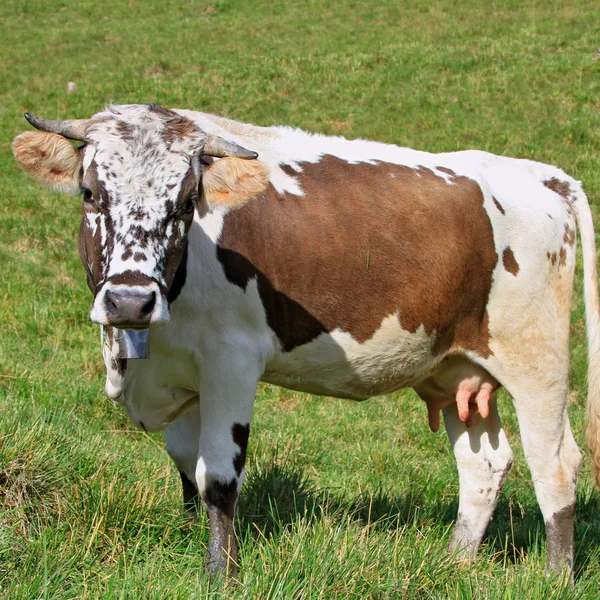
(342, 500)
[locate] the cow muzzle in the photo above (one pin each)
(130, 307)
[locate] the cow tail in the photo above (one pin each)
(592, 317)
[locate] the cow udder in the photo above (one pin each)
(456, 379)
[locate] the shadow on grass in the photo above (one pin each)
(516, 529)
(277, 496)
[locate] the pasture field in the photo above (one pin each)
(341, 500)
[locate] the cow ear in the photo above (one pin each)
(50, 159)
(231, 182)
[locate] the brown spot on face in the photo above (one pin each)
(139, 257)
(562, 188)
(498, 205)
(308, 254)
(240, 434)
(125, 130)
(131, 278)
(509, 261)
(175, 126)
(126, 255)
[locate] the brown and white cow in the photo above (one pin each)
(335, 267)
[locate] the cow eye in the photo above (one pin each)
(189, 205)
(88, 197)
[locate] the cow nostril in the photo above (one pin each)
(112, 302)
(150, 304)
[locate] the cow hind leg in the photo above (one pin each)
(554, 460)
(483, 458)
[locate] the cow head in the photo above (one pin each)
(143, 171)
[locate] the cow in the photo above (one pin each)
(347, 268)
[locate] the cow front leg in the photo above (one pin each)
(182, 438)
(226, 405)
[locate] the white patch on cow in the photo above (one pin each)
(336, 364)
(92, 219)
(447, 177)
(212, 222)
(284, 183)
(88, 156)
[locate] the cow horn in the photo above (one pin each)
(74, 129)
(219, 147)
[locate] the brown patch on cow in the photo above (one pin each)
(175, 126)
(231, 182)
(569, 236)
(308, 254)
(139, 257)
(446, 170)
(562, 188)
(498, 205)
(562, 257)
(126, 130)
(240, 434)
(50, 159)
(90, 246)
(509, 261)
(126, 255)
(551, 257)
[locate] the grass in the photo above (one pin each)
(342, 500)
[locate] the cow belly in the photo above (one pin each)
(335, 364)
